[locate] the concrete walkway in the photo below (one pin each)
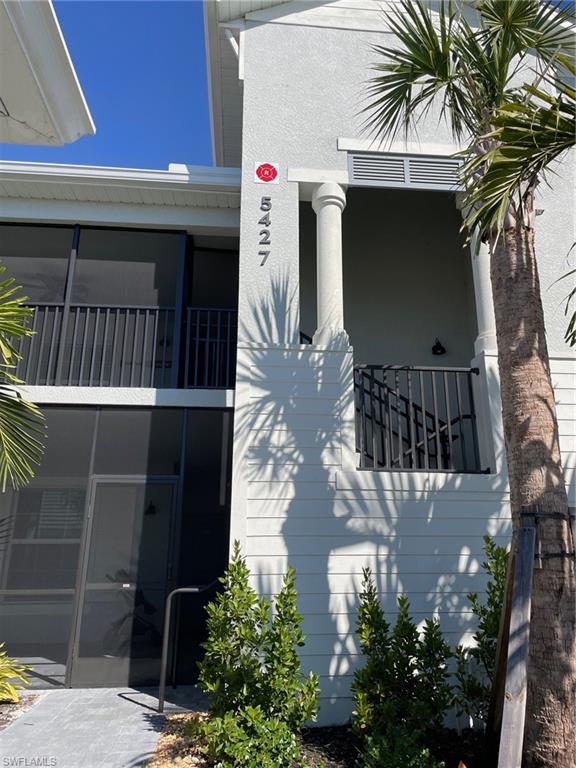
(96, 728)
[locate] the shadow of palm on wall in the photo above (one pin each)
(427, 545)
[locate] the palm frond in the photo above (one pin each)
(441, 59)
(21, 435)
(543, 27)
(529, 134)
(21, 422)
(14, 317)
(570, 335)
(415, 74)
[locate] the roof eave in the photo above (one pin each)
(213, 71)
(192, 178)
(40, 38)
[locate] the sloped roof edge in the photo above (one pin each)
(36, 28)
(205, 178)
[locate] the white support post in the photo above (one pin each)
(487, 385)
(328, 202)
(480, 254)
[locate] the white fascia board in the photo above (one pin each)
(214, 75)
(130, 396)
(309, 178)
(36, 27)
(189, 177)
(236, 9)
(398, 147)
(318, 175)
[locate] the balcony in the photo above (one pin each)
(416, 419)
(130, 346)
(125, 307)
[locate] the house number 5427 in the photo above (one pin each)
(264, 234)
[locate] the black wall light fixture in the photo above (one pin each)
(438, 348)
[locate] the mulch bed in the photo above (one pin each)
(10, 711)
(335, 747)
(175, 747)
(453, 748)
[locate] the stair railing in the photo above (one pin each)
(416, 418)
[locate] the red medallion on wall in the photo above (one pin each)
(266, 173)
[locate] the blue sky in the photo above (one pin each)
(142, 68)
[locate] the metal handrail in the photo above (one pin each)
(399, 396)
(166, 635)
(443, 368)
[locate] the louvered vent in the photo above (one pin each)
(378, 169)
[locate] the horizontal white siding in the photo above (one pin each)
(563, 372)
(305, 508)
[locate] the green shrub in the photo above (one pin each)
(404, 682)
(237, 622)
(475, 666)
(247, 738)
(259, 696)
(403, 691)
(12, 676)
(399, 749)
(287, 695)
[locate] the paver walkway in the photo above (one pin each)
(95, 728)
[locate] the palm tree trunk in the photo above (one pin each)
(536, 479)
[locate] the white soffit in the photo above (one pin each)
(41, 99)
(180, 186)
(402, 171)
(236, 9)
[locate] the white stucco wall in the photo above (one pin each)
(297, 496)
(303, 89)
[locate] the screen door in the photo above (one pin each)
(125, 575)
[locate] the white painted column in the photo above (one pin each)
(328, 202)
(480, 254)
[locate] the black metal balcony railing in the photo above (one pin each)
(129, 346)
(416, 418)
(210, 358)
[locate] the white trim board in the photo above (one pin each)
(397, 147)
(131, 396)
(57, 92)
(205, 178)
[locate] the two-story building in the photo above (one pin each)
(294, 348)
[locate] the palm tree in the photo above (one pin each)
(471, 72)
(21, 423)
